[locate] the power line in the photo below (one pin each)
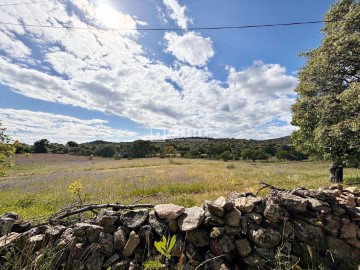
(27, 3)
(172, 29)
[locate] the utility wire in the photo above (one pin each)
(171, 29)
(27, 3)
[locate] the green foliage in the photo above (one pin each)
(105, 151)
(327, 110)
(7, 150)
(41, 146)
(164, 247)
(226, 155)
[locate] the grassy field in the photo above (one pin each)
(38, 185)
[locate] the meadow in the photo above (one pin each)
(38, 185)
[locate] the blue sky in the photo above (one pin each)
(108, 82)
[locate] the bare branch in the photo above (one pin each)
(265, 185)
(92, 207)
(209, 260)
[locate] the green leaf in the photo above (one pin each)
(153, 264)
(161, 247)
(172, 244)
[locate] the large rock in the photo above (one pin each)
(106, 244)
(306, 232)
(119, 239)
(319, 206)
(214, 209)
(134, 218)
(232, 218)
(226, 204)
(191, 218)
(292, 202)
(6, 224)
(131, 245)
(157, 224)
(265, 238)
(243, 247)
(245, 204)
(91, 232)
(169, 211)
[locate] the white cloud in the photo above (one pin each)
(177, 13)
(109, 72)
(189, 47)
(29, 126)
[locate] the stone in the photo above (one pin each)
(265, 237)
(224, 203)
(106, 244)
(244, 225)
(169, 211)
(319, 206)
(244, 204)
(6, 224)
(273, 212)
(214, 209)
(331, 224)
(107, 221)
(353, 190)
(226, 244)
(37, 241)
(193, 255)
(95, 262)
(216, 232)
(255, 259)
(120, 239)
(254, 217)
(131, 244)
(292, 202)
(198, 238)
(306, 232)
(214, 221)
(9, 239)
(90, 231)
(346, 200)
(338, 210)
(215, 247)
(54, 232)
(232, 218)
(191, 218)
(134, 218)
(231, 231)
(348, 231)
(157, 224)
(172, 223)
(109, 262)
(243, 247)
(21, 227)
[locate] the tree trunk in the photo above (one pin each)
(336, 173)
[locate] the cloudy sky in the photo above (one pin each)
(84, 69)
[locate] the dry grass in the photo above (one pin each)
(37, 185)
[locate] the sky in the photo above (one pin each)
(84, 70)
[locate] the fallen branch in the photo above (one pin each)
(92, 207)
(265, 185)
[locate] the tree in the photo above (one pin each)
(105, 151)
(7, 150)
(41, 146)
(226, 155)
(327, 110)
(170, 152)
(72, 144)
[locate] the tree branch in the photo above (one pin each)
(265, 185)
(92, 207)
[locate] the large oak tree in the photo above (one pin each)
(327, 110)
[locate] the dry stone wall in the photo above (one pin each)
(312, 228)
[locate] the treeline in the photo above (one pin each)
(207, 148)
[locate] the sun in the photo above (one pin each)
(108, 16)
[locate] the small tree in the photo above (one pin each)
(41, 146)
(170, 152)
(7, 150)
